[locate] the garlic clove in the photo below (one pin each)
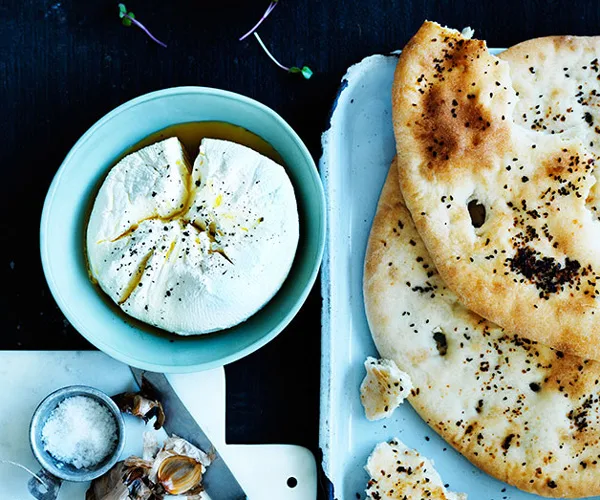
(178, 474)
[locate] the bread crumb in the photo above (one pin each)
(468, 32)
(399, 472)
(384, 388)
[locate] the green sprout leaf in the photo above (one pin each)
(126, 17)
(305, 71)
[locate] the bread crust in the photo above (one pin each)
(533, 267)
(520, 411)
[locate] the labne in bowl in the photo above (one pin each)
(71, 196)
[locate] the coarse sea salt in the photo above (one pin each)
(80, 431)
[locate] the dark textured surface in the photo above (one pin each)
(64, 64)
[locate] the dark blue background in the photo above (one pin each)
(65, 63)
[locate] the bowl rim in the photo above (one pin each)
(38, 421)
(238, 354)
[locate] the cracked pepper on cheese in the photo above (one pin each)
(193, 250)
(497, 162)
(523, 412)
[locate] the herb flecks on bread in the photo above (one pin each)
(522, 412)
(519, 141)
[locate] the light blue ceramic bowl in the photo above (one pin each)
(71, 195)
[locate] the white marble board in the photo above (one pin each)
(26, 377)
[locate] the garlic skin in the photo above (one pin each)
(142, 404)
(150, 446)
(167, 471)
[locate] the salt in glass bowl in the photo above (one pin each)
(62, 470)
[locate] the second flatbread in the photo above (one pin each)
(519, 410)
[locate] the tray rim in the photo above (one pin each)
(326, 291)
(327, 287)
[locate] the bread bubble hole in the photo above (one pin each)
(477, 213)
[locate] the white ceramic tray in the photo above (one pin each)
(357, 151)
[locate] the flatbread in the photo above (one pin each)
(531, 261)
(566, 65)
(523, 412)
(399, 473)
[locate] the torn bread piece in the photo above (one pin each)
(384, 388)
(398, 472)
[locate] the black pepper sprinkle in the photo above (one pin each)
(548, 275)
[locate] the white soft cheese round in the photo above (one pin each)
(197, 250)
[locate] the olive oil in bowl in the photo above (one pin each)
(192, 133)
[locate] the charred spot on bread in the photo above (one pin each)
(507, 442)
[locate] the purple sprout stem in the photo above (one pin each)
(271, 56)
(270, 8)
(145, 30)
(10, 462)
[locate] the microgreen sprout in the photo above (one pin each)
(128, 18)
(305, 71)
(270, 9)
